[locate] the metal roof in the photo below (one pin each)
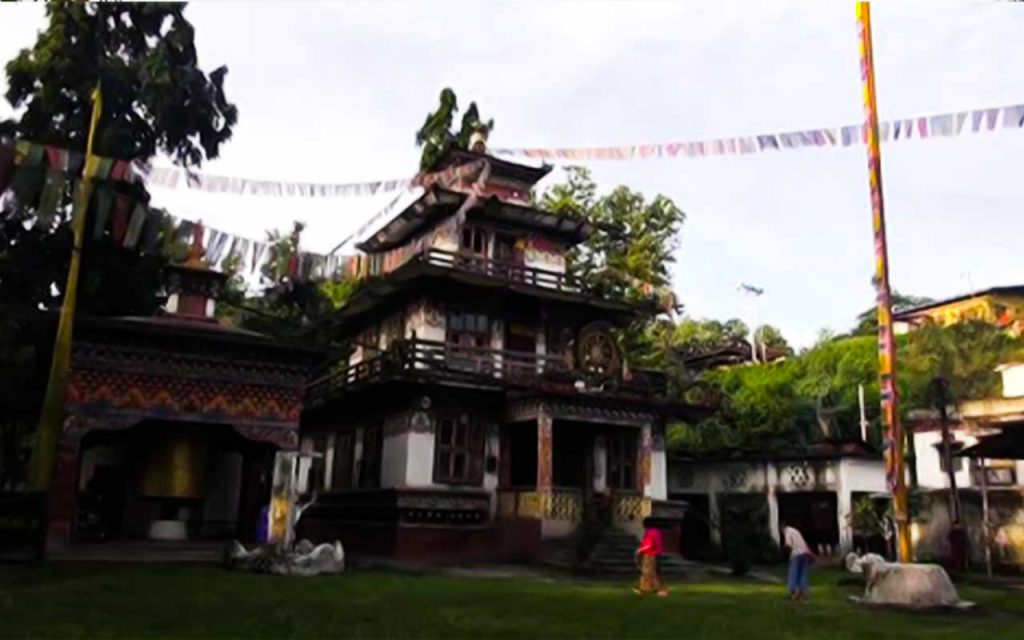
(1016, 290)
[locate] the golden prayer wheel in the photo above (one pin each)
(174, 468)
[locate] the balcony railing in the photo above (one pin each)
(449, 361)
(515, 273)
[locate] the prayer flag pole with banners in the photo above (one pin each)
(893, 431)
(52, 413)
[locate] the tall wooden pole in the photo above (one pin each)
(985, 522)
(940, 391)
(52, 413)
(893, 439)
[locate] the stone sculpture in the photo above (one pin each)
(304, 559)
(916, 586)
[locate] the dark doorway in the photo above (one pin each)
(519, 455)
(813, 513)
(257, 466)
(695, 529)
(508, 258)
(571, 446)
(743, 521)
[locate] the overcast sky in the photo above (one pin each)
(334, 91)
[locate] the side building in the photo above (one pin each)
(484, 405)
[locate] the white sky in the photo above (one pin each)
(334, 92)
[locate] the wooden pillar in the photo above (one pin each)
(545, 452)
(644, 453)
(63, 491)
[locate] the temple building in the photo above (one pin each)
(172, 421)
(483, 406)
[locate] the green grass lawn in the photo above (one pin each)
(72, 601)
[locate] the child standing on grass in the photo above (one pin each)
(647, 559)
(800, 560)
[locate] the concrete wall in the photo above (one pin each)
(420, 460)
(657, 488)
(930, 529)
(395, 461)
(929, 457)
(842, 477)
(1013, 380)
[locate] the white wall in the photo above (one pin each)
(394, 461)
(419, 469)
(1013, 380)
(600, 464)
(769, 478)
(928, 459)
(863, 475)
(658, 489)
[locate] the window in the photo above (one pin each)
(458, 451)
(622, 461)
(558, 340)
(344, 457)
(466, 333)
(373, 449)
(474, 240)
(998, 473)
(954, 448)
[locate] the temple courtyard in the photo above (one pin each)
(80, 600)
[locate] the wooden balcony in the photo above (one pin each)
(441, 361)
(502, 270)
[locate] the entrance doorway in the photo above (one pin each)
(519, 455)
(813, 513)
(572, 456)
(206, 476)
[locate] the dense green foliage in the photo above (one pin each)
(634, 240)
(155, 96)
(814, 395)
(436, 136)
(867, 320)
(155, 99)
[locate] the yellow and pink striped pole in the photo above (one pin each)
(893, 439)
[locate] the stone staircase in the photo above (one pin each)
(611, 556)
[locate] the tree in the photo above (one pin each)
(291, 309)
(155, 99)
(966, 354)
(771, 338)
(867, 320)
(436, 136)
(830, 374)
(155, 96)
(634, 240)
(704, 335)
